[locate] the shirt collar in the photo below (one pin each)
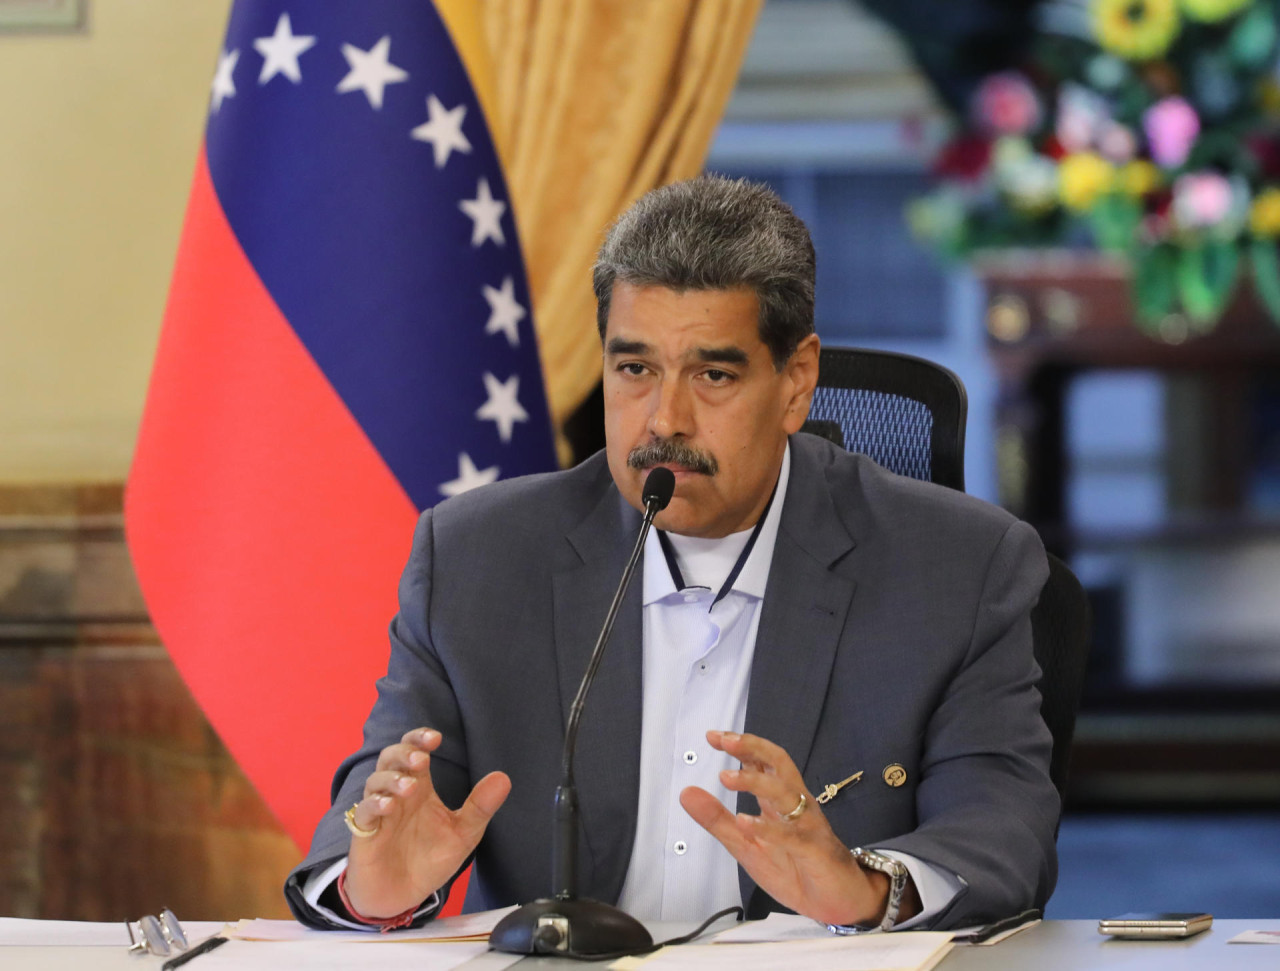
(709, 561)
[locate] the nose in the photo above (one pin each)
(672, 410)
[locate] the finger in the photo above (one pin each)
(709, 813)
(427, 739)
(773, 793)
(405, 757)
(371, 810)
(486, 799)
(756, 752)
(749, 748)
(389, 783)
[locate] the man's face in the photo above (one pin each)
(689, 385)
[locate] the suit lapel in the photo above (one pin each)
(607, 763)
(804, 613)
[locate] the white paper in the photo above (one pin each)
(775, 927)
(19, 931)
(1256, 937)
(322, 955)
(907, 951)
(464, 925)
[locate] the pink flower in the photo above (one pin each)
(1118, 143)
(1006, 104)
(1171, 125)
(1201, 199)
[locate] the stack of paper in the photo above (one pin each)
(909, 951)
(446, 930)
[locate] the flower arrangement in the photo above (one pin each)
(1149, 127)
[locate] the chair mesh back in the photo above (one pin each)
(904, 413)
(892, 431)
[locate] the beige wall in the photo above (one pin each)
(98, 139)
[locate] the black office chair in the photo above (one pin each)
(908, 414)
(903, 412)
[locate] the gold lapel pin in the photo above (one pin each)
(831, 788)
(894, 775)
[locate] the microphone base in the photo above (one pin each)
(552, 926)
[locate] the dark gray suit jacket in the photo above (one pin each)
(895, 629)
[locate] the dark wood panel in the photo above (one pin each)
(116, 797)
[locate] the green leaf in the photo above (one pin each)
(1265, 261)
(1114, 220)
(1206, 276)
(1153, 282)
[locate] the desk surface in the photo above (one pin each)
(1050, 946)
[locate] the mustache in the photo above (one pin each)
(669, 451)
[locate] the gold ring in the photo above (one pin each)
(349, 817)
(801, 806)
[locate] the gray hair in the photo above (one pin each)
(713, 233)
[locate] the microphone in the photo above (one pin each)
(563, 921)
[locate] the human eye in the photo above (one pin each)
(632, 369)
(718, 377)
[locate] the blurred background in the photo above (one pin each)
(964, 169)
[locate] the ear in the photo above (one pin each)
(801, 374)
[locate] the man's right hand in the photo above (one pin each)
(419, 842)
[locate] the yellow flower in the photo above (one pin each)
(1264, 215)
(1082, 178)
(1211, 11)
(1139, 177)
(1139, 30)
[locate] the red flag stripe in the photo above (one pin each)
(267, 533)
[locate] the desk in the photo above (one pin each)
(1064, 945)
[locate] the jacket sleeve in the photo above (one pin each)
(987, 810)
(415, 693)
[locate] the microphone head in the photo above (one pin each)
(658, 489)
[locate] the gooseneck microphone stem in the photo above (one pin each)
(564, 923)
(564, 864)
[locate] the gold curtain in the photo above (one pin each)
(595, 102)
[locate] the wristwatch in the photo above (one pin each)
(897, 873)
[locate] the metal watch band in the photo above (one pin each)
(897, 873)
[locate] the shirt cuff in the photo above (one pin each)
(937, 887)
(318, 881)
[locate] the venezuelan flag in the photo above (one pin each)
(348, 340)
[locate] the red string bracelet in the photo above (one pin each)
(383, 923)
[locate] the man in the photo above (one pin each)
(807, 622)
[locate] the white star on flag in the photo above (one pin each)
(505, 312)
(486, 215)
(443, 129)
(469, 477)
(223, 86)
(371, 71)
(502, 408)
(280, 52)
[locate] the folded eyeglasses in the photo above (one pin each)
(161, 935)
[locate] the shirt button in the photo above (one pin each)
(681, 847)
(690, 598)
(690, 757)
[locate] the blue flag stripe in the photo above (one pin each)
(364, 241)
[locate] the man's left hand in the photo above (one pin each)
(798, 861)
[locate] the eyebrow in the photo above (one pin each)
(722, 355)
(618, 346)
(708, 355)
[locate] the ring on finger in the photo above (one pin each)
(801, 806)
(349, 817)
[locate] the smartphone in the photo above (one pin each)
(1155, 925)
